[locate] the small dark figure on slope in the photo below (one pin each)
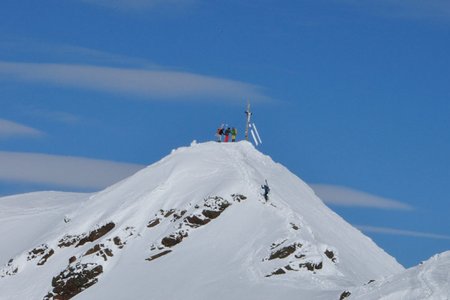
(266, 189)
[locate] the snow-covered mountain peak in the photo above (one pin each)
(196, 220)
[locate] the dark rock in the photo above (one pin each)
(118, 242)
(108, 252)
(100, 250)
(216, 203)
(173, 239)
(46, 257)
(311, 266)
(153, 257)
(330, 255)
(36, 252)
(294, 226)
(68, 240)
(238, 197)
(179, 215)
(74, 280)
(279, 271)
(42, 251)
(195, 221)
(283, 252)
(9, 269)
(72, 260)
(344, 295)
(211, 214)
(153, 223)
(96, 234)
(169, 213)
(93, 250)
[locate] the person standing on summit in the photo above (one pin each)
(233, 134)
(227, 134)
(219, 133)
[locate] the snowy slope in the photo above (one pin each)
(429, 280)
(26, 219)
(191, 226)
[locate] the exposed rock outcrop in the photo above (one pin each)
(73, 280)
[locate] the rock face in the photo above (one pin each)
(195, 221)
(42, 252)
(285, 251)
(345, 295)
(96, 234)
(200, 215)
(73, 281)
(81, 239)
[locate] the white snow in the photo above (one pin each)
(180, 229)
(429, 280)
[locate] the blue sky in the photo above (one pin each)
(352, 96)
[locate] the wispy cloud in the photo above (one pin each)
(63, 171)
(136, 4)
(9, 129)
(51, 115)
(339, 195)
(407, 9)
(71, 54)
(90, 55)
(150, 84)
(392, 231)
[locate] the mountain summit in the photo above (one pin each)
(194, 225)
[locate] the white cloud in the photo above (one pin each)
(63, 171)
(339, 195)
(149, 84)
(83, 54)
(392, 231)
(71, 54)
(9, 129)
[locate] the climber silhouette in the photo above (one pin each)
(266, 189)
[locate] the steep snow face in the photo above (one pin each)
(429, 280)
(195, 225)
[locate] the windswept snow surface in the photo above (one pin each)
(27, 219)
(429, 280)
(191, 226)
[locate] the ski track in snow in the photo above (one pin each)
(429, 283)
(426, 283)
